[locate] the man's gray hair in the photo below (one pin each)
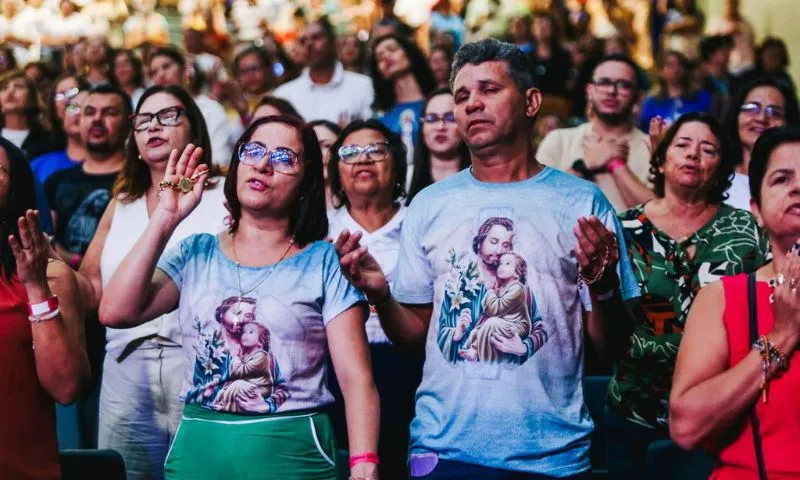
(492, 50)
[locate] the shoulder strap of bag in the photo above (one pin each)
(753, 309)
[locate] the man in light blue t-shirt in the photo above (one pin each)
(488, 282)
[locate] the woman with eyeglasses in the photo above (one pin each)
(440, 150)
(65, 109)
(22, 115)
(145, 364)
(763, 103)
(260, 308)
(367, 171)
(680, 241)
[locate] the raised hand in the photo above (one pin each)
(184, 181)
(656, 132)
(360, 267)
(597, 251)
(31, 251)
(463, 323)
(786, 306)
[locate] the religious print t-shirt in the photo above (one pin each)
(403, 119)
(261, 348)
(79, 200)
(503, 368)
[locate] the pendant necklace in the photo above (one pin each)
(242, 292)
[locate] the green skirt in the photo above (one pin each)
(216, 445)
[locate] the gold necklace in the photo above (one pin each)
(242, 293)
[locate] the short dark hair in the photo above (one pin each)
(766, 144)
(772, 42)
(724, 173)
(283, 106)
(260, 52)
(138, 68)
(492, 50)
(308, 220)
(396, 147)
(422, 177)
(109, 89)
(336, 129)
(384, 87)
(621, 59)
(327, 28)
(711, 45)
(731, 122)
(21, 198)
(134, 180)
(174, 54)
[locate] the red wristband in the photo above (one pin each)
(370, 457)
(43, 307)
(615, 164)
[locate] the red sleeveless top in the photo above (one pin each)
(28, 445)
(779, 418)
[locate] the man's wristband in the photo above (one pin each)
(615, 164)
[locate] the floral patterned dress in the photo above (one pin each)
(669, 278)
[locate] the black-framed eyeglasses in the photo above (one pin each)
(608, 85)
(67, 94)
(168, 117)
(755, 108)
(448, 117)
(281, 159)
(375, 152)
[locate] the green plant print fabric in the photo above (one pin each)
(669, 278)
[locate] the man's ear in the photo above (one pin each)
(533, 102)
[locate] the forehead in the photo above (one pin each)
(313, 29)
(66, 83)
(786, 155)
(250, 58)
(159, 100)
(766, 94)
(498, 231)
(364, 136)
(615, 70)
(324, 132)
(696, 131)
(162, 60)
(470, 76)
(387, 45)
(101, 100)
(443, 102)
(277, 134)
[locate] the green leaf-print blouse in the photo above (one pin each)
(728, 244)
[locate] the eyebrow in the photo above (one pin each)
(781, 171)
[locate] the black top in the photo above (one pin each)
(38, 142)
(552, 73)
(79, 200)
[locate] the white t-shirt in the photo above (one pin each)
(218, 128)
(383, 244)
(560, 148)
(74, 26)
(15, 136)
(739, 192)
(347, 94)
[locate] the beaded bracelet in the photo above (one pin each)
(775, 354)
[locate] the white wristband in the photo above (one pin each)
(45, 316)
